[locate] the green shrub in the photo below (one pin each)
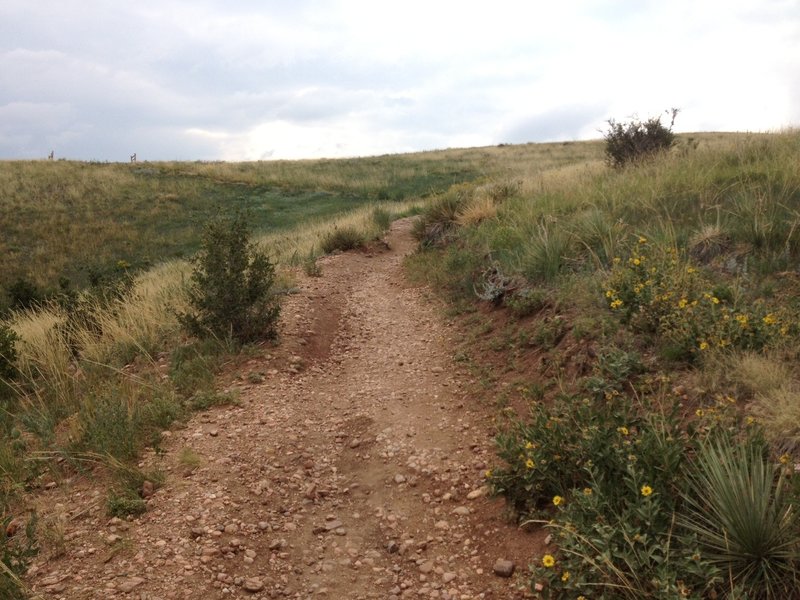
(231, 291)
(526, 301)
(125, 503)
(634, 141)
(607, 476)
(193, 366)
(8, 355)
(343, 239)
(23, 294)
(111, 424)
(614, 370)
(657, 291)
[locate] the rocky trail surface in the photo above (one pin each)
(351, 467)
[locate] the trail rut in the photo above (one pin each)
(354, 469)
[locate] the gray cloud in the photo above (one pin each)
(564, 123)
(181, 79)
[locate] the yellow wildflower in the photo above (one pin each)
(528, 445)
(565, 576)
(785, 459)
(530, 464)
(700, 412)
(616, 303)
(488, 473)
(548, 561)
(703, 345)
(587, 491)
(646, 490)
(714, 300)
(769, 319)
(623, 430)
(557, 500)
(683, 303)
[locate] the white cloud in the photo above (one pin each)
(251, 78)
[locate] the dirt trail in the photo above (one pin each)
(353, 470)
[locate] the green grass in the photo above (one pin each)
(539, 226)
(79, 220)
(684, 267)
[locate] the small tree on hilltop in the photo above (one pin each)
(636, 141)
(231, 289)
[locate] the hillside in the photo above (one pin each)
(625, 336)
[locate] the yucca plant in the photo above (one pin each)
(741, 512)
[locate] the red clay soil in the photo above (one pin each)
(353, 468)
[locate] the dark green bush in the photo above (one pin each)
(24, 294)
(8, 353)
(634, 141)
(232, 286)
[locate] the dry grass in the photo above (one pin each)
(778, 412)
(757, 374)
(479, 208)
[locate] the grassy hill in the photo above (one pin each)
(639, 327)
(641, 321)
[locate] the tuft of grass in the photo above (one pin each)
(16, 554)
(125, 503)
(382, 218)
(480, 208)
(342, 239)
(207, 399)
(778, 412)
(187, 457)
(757, 374)
(708, 242)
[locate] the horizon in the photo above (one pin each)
(144, 160)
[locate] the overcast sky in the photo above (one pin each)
(249, 79)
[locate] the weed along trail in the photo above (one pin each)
(352, 466)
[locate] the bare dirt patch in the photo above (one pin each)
(355, 469)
